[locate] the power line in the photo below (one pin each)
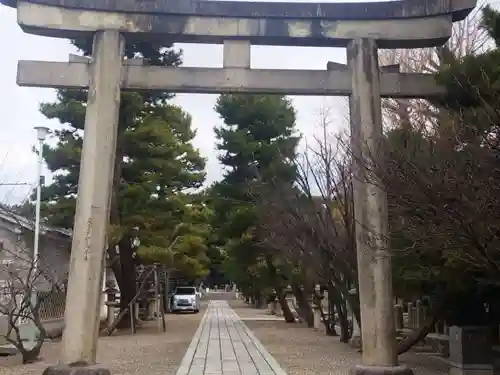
(14, 183)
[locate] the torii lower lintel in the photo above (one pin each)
(224, 80)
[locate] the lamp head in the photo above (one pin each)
(41, 132)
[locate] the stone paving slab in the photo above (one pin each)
(223, 345)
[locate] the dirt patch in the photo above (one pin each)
(149, 352)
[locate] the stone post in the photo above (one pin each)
(79, 342)
(274, 306)
(271, 303)
(111, 314)
(370, 210)
(418, 314)
(410, 315)
(317, 316)
(423, 316)
(136, 311)
(111, 304)
(398, 317)
(269, 308)
(279, 310)
(355, 340)
(470, 351)
(317, 307)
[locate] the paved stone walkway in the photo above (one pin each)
(223, 345)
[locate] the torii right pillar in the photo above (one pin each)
(370, 211)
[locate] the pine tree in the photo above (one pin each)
(155, 164)
(257, 144)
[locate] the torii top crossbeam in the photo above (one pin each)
(287, 10)
(394, 24)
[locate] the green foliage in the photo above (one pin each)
(257, 144)
(474, 81)
(182, 246)
(156, 166)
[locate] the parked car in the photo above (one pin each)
(185, 298)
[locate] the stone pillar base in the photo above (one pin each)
(471, 370)
(76, 370)
(355, 342)
(381, 370)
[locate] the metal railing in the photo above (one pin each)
(52, 304)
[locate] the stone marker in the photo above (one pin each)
(279, 311)
(317, 317)
(316, 305)
(470, 351)
(418, 314)
(398, 317)
(410, 315)
(355, 340)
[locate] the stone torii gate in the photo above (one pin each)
(360, 27)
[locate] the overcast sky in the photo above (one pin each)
(19, 107)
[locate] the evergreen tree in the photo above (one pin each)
(155, 164)
(258, 144)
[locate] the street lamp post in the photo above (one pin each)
(41, 133)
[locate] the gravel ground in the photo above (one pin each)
(302, 351)
(149, 352)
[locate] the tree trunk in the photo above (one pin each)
(340, 305)
(256, 300)
(123, 264)
(127, 283)
(30, 355)
(287, 313)
(280, 295)
(330, 330)
(341, 308)
(352, 299)
(417, 336)
(326, 320)
(303, 306)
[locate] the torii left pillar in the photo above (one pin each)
(79, 344)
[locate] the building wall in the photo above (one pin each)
(8, 242)
(55, 254)
(17, 247)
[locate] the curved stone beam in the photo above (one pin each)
(390, 33)
(404, 9)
